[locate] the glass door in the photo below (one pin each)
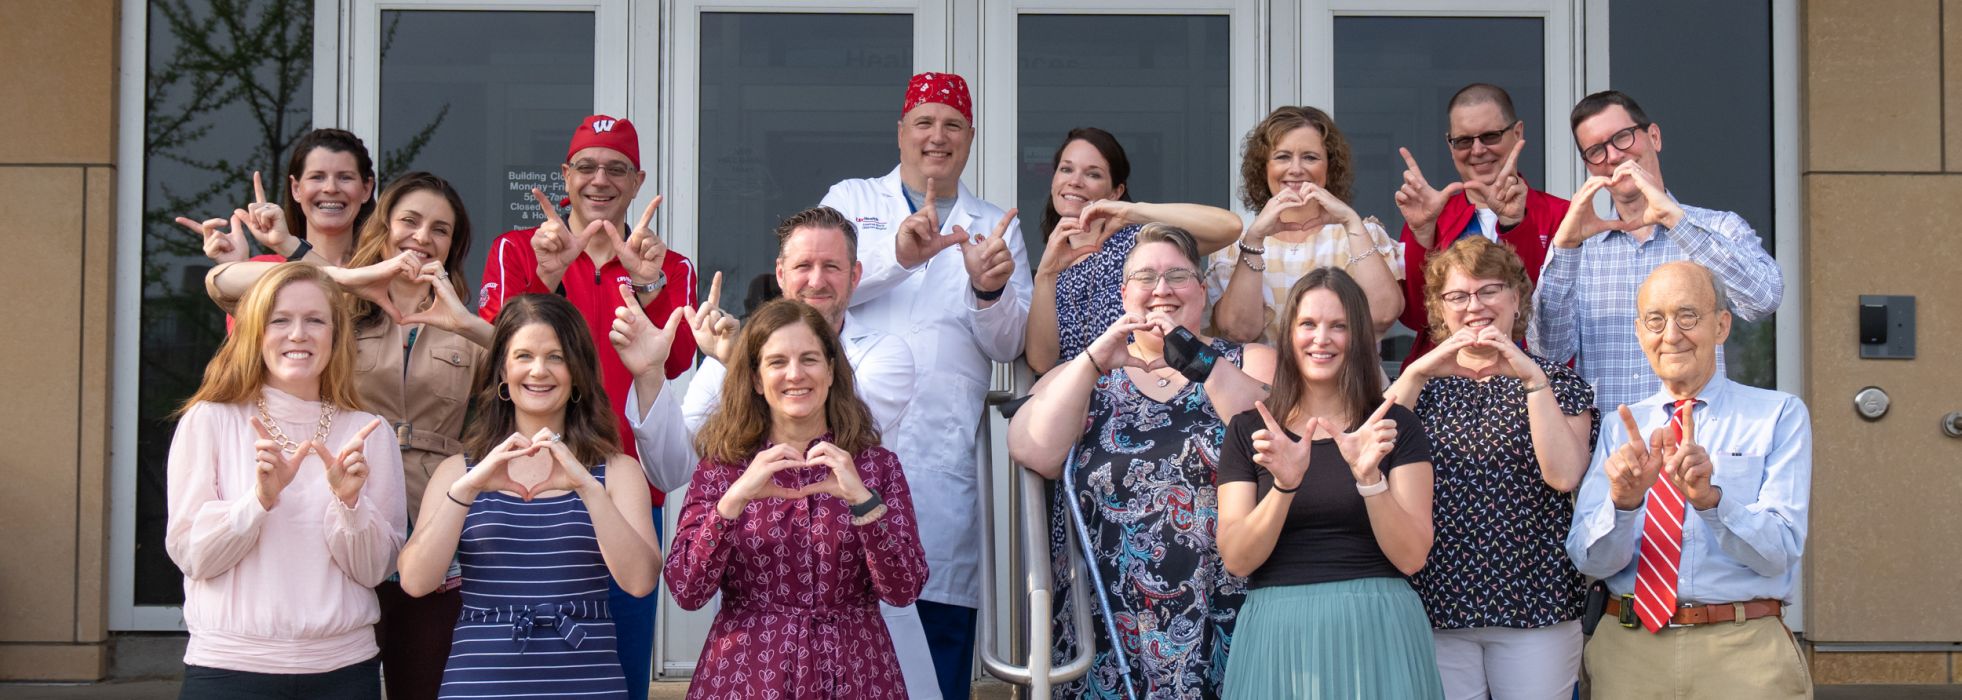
(486, 95)
(770, 103)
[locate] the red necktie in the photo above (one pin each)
(1662, 544)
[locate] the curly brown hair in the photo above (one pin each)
(1478, 258)
(1259, 145)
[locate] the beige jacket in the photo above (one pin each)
(424, 404)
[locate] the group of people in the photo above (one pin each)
(1264, 512)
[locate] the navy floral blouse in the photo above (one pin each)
(1090, 295)
(1499, 559)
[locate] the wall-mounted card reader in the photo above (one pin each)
(1886, 327)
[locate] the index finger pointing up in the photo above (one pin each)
(1634, 429)
(360, 438)
(1001, 227)
(714, 298)
(1381, 411)
(1511, 165)
(260, 428)
(647, 217)
(258, 189)
(1410, 162)
(1689, 423)
(932, 212)
(545, 206)
(1273, 426)
(631, 303)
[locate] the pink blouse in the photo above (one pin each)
(800, 585)
(290, 590)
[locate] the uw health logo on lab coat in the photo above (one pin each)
(870, 223)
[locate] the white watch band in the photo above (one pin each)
(1376, 488)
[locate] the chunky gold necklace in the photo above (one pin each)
(286, 444)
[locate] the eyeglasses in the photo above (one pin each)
(1489, 138)
(1177, 277)
(1622, 141)
(1458, 300)
(1686, 321)
(612, 170)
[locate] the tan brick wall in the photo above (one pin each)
(57, 187)
(1882, 139)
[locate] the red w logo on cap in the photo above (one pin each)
(601, 126)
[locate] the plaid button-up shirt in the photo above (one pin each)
(1585, 305)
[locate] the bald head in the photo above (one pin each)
(1675, 295)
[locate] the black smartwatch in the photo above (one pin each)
(1191, 357)
(988, 296)
(301, 251)
(863, 509)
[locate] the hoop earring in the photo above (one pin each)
(575, 396)
(503, 391)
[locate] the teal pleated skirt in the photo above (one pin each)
(1366, 638)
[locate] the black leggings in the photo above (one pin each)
(361, 681)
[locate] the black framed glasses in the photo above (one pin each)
(1177, 277)
(1685, 319)
(1621, 140)
(1485, 294)
(1489, 138)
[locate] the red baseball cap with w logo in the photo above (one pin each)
(603, 131)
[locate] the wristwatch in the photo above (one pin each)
(653, 287)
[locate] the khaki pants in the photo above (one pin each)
(1756, 659)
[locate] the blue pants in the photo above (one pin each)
(633, 628)
(950, 637)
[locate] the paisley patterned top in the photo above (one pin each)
(1500, 558)
(1143, 481)
(800, 584)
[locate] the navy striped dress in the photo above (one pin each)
(534, 621)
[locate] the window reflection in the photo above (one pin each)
(790, 103)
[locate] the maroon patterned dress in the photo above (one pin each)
(800, 585)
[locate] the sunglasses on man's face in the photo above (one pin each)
(1489, 138)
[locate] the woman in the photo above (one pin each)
(281, 540)
(1296, 177)
(1510, 434)
(1092, 225)
(330, 177)
(799, 519)
(1326, 506)
(1132, 429)
(416, 373)
(541, 508)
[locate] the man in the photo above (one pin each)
(817, 263)
(1490, 199)
(960, 301)
(1694, 512)
(585, 257)
(1595, 264)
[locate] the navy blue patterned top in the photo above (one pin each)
(1499, 558)
(1090, 295)
(535, 621)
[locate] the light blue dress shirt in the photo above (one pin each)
(1748, 547)
(1584, 304)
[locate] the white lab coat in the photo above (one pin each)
(933, 308)
(665, 436)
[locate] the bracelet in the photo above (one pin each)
(1249, 262)
(1278, 489)
(300, 252)
(453, 499)
(868, 518)
(988, 296)
(1380, 486)
(1093, 364)
(1250, 250)
(1528, 389)
(653, 287)
(1353, 259)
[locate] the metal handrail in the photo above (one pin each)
(1038, 673)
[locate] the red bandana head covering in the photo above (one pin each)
(944, 88)
(603, 131)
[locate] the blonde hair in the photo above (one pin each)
(238, 370)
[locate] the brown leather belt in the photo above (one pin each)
(410, 437)
(1712, 614)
